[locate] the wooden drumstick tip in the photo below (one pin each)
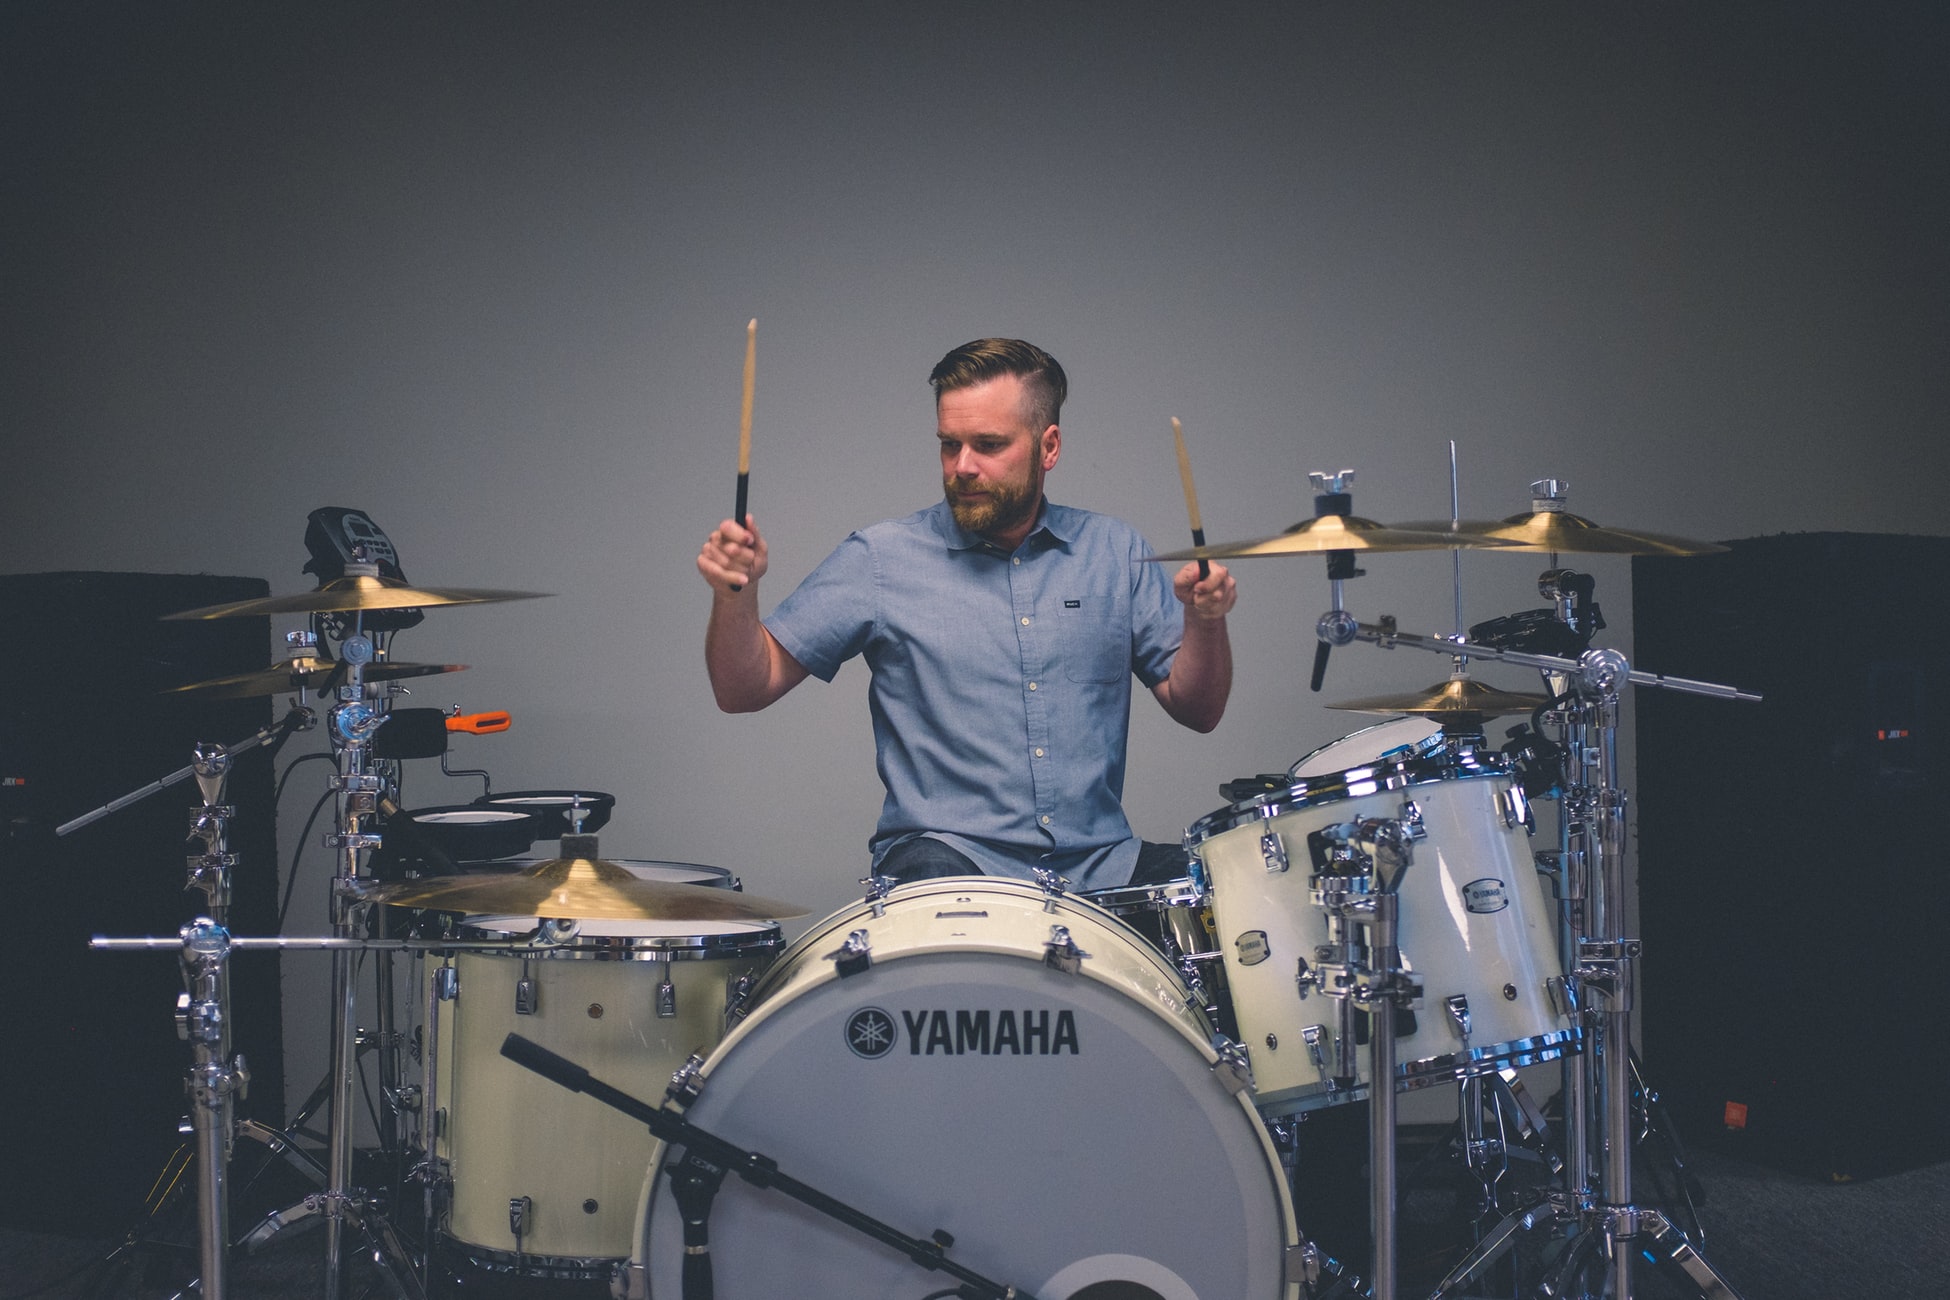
(745, 405)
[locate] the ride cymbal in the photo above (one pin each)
(1459, 697)
(1324, 533)
(356, 592)
(304, 673)
(582, 888)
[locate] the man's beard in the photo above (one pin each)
(1004, 507)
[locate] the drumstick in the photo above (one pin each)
(1191, 495)
(745, 426)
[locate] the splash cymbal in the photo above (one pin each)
(1457, 698)
(1324, 533)
(356, 592)
(582, 887)
(1562, 531)
(303, 673)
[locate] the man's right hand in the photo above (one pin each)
(733, 557)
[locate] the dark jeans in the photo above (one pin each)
(924, 858)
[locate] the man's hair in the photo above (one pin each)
(1044, 385)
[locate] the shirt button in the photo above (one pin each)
(1039, 753)
(1025, 622)
(1045, 819)
(1032, 686)
(1018, 560)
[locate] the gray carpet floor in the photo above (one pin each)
(1771, 1235)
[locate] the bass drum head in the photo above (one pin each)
(1068, 1135)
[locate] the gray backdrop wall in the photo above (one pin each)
(483, 271)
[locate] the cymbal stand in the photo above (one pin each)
(1361, 966)
(1606, 973)
(351, 725)
(217, 1076)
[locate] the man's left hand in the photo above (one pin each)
(1210, 598)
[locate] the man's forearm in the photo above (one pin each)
(1195, 693)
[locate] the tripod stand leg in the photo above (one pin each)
(1678, 1257)
(1496, 1243)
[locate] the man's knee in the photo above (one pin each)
(1159, 863)
(925, 858)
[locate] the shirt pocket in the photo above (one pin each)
(1094, 639)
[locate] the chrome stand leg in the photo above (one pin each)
(215, 1078)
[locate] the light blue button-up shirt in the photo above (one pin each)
(1001, 691)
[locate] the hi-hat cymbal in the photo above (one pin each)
(1324, 533)
(1458, 698)
(1562, 531)
(356, 592)
(582, 888)
(303, 673)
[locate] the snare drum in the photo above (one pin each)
(1176, 918)
(1013, 1068)
(545, 1181)
(1476, 926)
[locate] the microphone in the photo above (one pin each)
(556, 1069)
(1321, 650)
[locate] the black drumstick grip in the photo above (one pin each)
(744, 489)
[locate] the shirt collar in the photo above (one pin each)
(1059, 522)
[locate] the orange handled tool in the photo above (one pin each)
(480, 724)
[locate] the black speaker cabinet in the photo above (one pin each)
(1794, 878)
(94, 1084)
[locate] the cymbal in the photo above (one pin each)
(1459, 697)
(582, 888)
(1560, 530)
(305, 672)
(355, 592)
(1325, 533)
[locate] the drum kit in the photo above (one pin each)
(1090, 1097)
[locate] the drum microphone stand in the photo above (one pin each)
(708, 1158)
(1605, 972)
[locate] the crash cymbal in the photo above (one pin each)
(304, 673)
(1550, 527)
(1459, 697)
(1562, 531)
(1324, 533)
(582, 887)
(356, 592)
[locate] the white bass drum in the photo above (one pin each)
(1067, 1127)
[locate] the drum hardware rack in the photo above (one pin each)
(218, 1076)
(1360, 967)
(708, 1158)
(1603, 1217)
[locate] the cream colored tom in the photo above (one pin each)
(1477, 926)
(544, 1181)
(1021, 1072)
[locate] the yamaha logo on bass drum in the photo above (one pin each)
(873, 1033)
